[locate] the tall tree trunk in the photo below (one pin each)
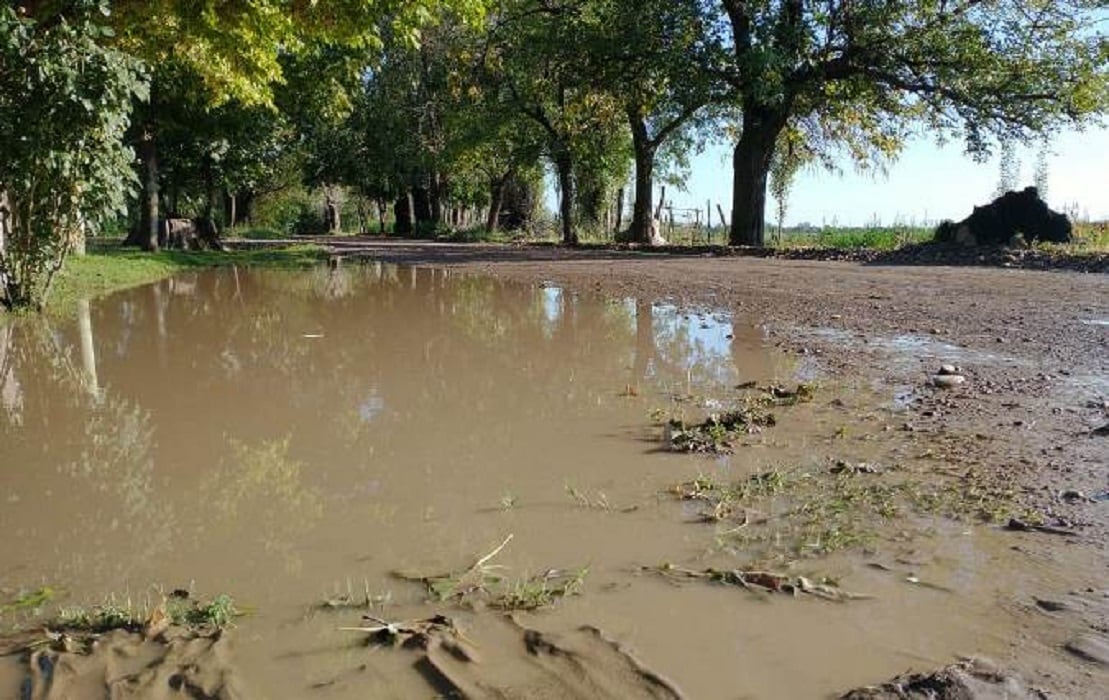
(231, 209)
(403, 215)
(382, 207)
(332, 211)
(421, 201)
(751, 166)
(436, 194)
(5, 219)
(496, 202)
(644, 178)
(620, 208)
(644, 194)
(146, 235)
(564, 164)
(5, 228)
(244, 202)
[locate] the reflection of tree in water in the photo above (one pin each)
(87, 452)
(415, 366)
(322, 283)
(11, 392)
(259, 495)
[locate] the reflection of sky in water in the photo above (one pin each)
(700, 344)
(372, 407)
(552, 308)
(697, 344)
(710, 336)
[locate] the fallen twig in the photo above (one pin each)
(761, 581)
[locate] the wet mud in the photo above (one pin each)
(298, 439)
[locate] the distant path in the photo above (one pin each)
(912, 255)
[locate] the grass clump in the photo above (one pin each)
(540, 591)
(366, 600)
(485, 583)
(777, 516)
(178, 609)
(31, 601)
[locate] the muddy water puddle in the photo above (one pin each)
(292, 438)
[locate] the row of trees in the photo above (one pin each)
(437, 109)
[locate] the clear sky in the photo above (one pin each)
(928, 182)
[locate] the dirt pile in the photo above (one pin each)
(1011, 215)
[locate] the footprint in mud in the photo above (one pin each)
(508, 660)
(124, 664)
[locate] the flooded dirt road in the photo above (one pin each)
(294, 439)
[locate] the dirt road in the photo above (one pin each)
(1033, 346)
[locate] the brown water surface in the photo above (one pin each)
(286, 437)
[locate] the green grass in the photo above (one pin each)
(106, 271)
(255, 233)
(478, 234)
(218, 613)
(870, 237)
(779, 516)
(1089, 237)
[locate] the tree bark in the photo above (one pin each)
(232, 210)
(644, 194)
(333, 212)
(382, 207)
(146, 235)
(403, 215)
(644, 178)
(619, 209)
(5, 218)
(421, 200)
(5, 227)
(436, 193)
(496, 201)
(750, 168)
(564, 164)
(244, 201)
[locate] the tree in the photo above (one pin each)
(789, 155)
(1008, 167)
(65, 98)
(653, 56)
(1041, 173)
(979, 69)
(235, 51)
(537, 52)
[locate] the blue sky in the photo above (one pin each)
(928, 182)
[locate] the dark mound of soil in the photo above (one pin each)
(1011, 215)
(970, 680)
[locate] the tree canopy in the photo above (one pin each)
(863, 72)
(447, 113)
